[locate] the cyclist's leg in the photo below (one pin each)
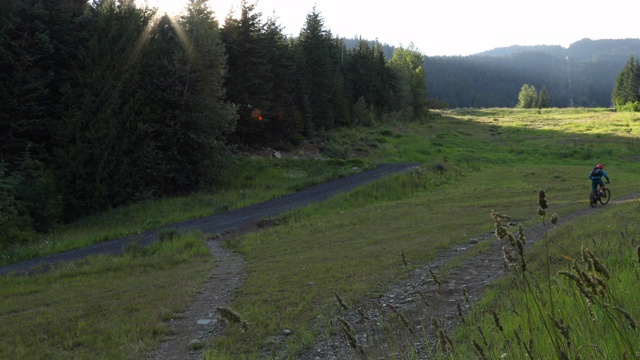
(594, 185)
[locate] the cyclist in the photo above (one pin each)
(596, 177)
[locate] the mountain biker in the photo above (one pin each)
(596, 177)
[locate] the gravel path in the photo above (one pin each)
(218, 224)
(419, 299)
(416, 297)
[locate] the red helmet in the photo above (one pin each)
(600, 166)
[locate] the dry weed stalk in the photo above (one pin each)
(627, 316)
(341, 302)
(460, 313)
(402, 318)
(496, 319)
(434, 277)
(528, 349)
(480, 350)
(350, 334)
(509, 260)
(597, 264)
(232, 317)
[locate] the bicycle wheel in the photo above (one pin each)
(593, 199)
(604, 199)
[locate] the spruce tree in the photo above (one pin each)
(316, 67)
(284, 124)
(26, 72)
(249, 81)
(543, 98)
(627, 85)
(97, 141)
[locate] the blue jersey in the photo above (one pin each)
(599, 175)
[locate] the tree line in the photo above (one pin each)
(583, 74)
(103, 103)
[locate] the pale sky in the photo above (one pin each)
(456, 27)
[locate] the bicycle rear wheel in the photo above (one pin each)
(593, 199)
(604, 198)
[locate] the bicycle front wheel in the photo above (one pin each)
(593, 199)
(604, 198)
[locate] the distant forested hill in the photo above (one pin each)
(581, 75)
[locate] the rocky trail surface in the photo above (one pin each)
(417, 296)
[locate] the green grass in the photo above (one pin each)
(251, 182)
(473, 162)
(106, 307)
(600, 324)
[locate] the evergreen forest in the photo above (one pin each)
(582, 75)
(104, 103)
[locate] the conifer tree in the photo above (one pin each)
(627, 85)
(97, 142)
(26, 73)
(543, 98)
(249, 80)
(316, 68)
(284, 124)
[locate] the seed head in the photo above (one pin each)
(501, 232)
(597, 264)
(340, 301)
(496, 319)
(511, 239)
(554, 219)
(571, 276)
(508, 258)
(521, 234)
(627, 316)
(434, 277)
(466, 295)
(479, 349)
(542, 201)
(520, 248)
(229, 315)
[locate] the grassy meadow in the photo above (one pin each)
(474, 161)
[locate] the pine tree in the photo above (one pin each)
(316, 68)
(627, 85)
(249, 81)
(543, 98)
(26, 72)
(284, 124)
(97, 141)
(206, 120)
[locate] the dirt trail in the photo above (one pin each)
(409, 296)
(416, 298)
(221, 223)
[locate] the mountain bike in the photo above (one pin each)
(601, 195)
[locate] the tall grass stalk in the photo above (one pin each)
(588, 309)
